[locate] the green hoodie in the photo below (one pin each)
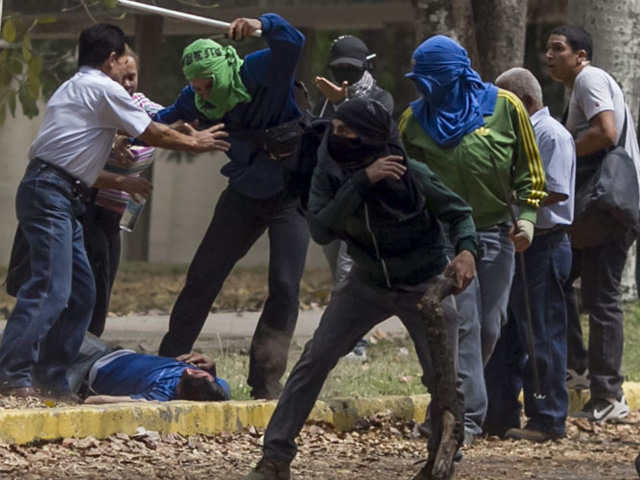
(467, 168)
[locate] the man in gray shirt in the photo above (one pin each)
(596, 117)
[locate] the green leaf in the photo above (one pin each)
(46, 19)
(3, 114)
(33, 86)
(3, 56)
(111, 3)
(15, 66)
(5, 77)
(9, 31)
(34, 68)
(26, 49)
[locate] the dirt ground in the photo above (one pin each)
(384, 450)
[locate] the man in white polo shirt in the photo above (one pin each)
(53, 308)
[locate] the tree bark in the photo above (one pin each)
(500, 28)
(613, 25)
(453, 18)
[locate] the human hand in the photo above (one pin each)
(462, 268)
(211, 139)
(187, 128)
(122, 150)
(386, 167)
(521, 235)
(200, 360)
(334, 93)
(137, 186)
(243, 27)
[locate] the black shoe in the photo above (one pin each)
(531, 435)
(270, 392)
(638, 464)
(270, 469)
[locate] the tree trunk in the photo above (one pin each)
(148, 46)
(500, 27)
(613, 25)
(453, 18)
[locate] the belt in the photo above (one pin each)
(78, 187)
(538, 232)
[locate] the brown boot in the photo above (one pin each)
(270, 469)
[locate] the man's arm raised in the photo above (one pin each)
(162, 136)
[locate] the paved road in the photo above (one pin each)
(221, 329)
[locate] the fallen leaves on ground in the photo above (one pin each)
(381, 449)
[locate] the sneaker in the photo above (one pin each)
(578, 381)
(604, 409)
(270, 469)
(531, 435)
(358, 354)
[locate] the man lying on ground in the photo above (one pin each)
(103, 374)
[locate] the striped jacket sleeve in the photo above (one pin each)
(528, 174)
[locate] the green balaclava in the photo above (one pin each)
(205, 58)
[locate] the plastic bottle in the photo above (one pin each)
(132, 213)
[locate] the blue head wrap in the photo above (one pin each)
(454, 97)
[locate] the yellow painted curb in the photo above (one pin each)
(191, 418)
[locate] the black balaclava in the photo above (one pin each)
(377, 137)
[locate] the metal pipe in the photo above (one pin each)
(165, 12)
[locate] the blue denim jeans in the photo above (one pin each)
(53, 308)
(547, 266)
(483, 311)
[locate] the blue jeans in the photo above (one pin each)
(483, 311)
(53, 308)
(547, 266)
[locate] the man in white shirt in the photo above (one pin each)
(547, 263)
(53, 308)
(596, 118)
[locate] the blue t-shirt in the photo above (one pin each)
(143, 376)
(268, 76)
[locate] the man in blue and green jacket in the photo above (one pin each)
(389, 210)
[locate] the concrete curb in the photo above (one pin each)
(191, 418)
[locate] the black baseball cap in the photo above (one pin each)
(350, 50)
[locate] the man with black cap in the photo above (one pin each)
(389, 210)
(350, 65)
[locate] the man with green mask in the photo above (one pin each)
(250, 97)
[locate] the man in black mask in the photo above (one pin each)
(350, 65)
(388, 209)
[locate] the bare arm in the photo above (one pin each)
(601, 134)
(131, 185)
(552, 198)
(163, 136)
(104, 399)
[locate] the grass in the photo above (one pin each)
(392, 369)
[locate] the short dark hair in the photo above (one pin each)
(199, 389)
(577, 38)
(97, 42)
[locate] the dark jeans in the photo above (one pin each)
(547, 265)
(102, 242)
(238, 222)
(600, 270)
(355, 308)
(53, 308)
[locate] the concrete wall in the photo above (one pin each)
(184, 198)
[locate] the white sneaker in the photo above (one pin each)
(357, 355)
(577, 381)
(605, 409)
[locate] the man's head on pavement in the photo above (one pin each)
(102, 46)
(349, 58)
(214, 74)
(525, 85)
(198, 385)
(569, 50)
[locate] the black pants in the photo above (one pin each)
(600, 269)
(355, 308)
(238, 222)
(102, 243)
